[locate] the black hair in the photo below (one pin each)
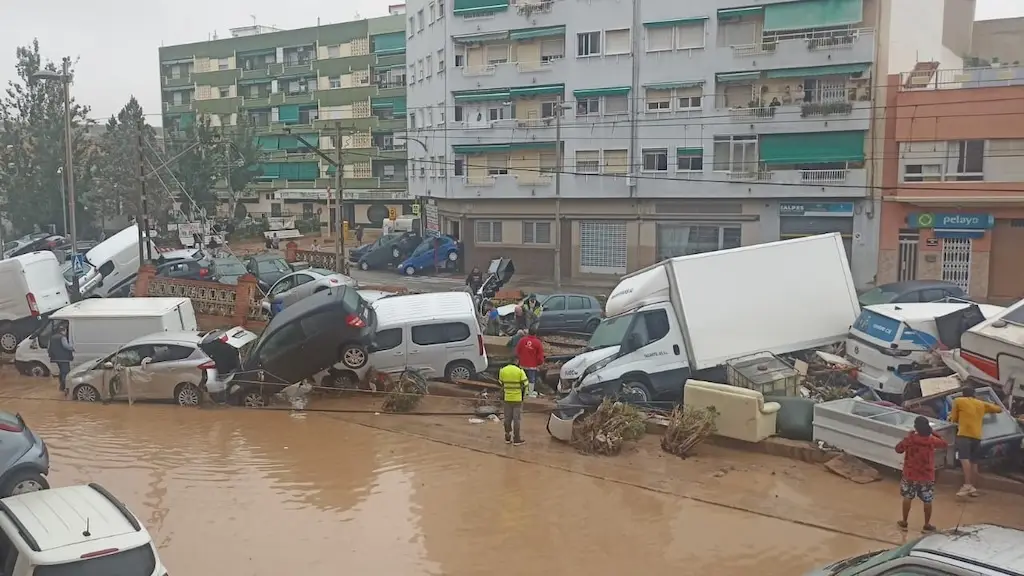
(923, 427)
(533, 331)
(968, 392)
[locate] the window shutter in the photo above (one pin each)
(617, 42)
(659, 39)
(615, 162)
(690, 92)
(690, 36)
(552, 48)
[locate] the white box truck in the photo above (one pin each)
(98, 326)
(685, 316)
(31, 286)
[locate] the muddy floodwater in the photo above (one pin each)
(237, 492)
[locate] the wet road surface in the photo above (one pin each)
(240, 492)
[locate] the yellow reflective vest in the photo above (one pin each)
(513, 381)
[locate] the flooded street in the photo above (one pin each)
(249, 493)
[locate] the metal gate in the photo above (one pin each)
(956, 262)
(602, 247)
(908, 256)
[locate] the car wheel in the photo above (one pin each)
(354, 356)
(341, 381)
(364, 266)
(593, 324)
(24, 482)
(410, 271)
(38, 369)
(396, 253)
(8, 339)
(187, 395)
(459, 370)
(636, 392)
(254, 398)
(453, 256)
(86, 393)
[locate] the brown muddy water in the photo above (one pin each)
(239, 492)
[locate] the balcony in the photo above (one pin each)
(256, 73)
(170, 108)
(525, 185)
(760, 183)
(823, 48)
(508, 74)
(179, 82)
(930, 78)
(257, 102)
(299, 97)
(752, 114)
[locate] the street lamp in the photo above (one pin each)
(562, 107)
(63, 198)
(64, 77)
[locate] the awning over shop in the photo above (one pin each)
(595, 92)
(808, 14)
(545, 32)
(671, 85)
(471, 7)
(482, 95)
(837, 70)
(675, 22)
(735, 13)
(538, 90)
(737, 77)
(812, 148)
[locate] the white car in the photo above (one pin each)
(295, 286)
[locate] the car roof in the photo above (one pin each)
(913, 311)
(423, 307)
(180, 337)
(60, 517)
(266, 256)
(315, 301)
(118, 307)
(908, 285)
(985, 545)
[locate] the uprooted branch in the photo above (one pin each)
(608, 428)
(688, 427)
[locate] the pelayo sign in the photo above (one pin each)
(951, 221)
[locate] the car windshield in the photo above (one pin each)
(610, 332)
(132, 562)
(877, 296)
(321, 271)
(271, 266)
(864, 562)
(423, 248)
(229, 267)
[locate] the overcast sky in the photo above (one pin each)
(117, 40)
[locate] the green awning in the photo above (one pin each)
(689, 151)
(676, 22)
(378, 103)
(595, 92)
(545, 32)
(734, 13)
(471, 7)
(289, 114)
(671, 85)
(186, 120)
(480, 148)
(532, 145)
(480, 37)
(482, 96)
(400, 105)
(837, 70)
(538, 90)
(381, 68)
(808, 14)
(812, 148)
(737, 77)
(267, 142)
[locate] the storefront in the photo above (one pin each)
(799, 219)
(1006, 274)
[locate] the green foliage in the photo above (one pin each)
(242, 161)
(198, 164)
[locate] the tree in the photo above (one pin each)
(242, 163)
(196, 165)
(32, 146)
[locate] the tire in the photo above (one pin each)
(186, 394)
(459, 370)
(592, 325)
(85, 393)
(253, 398)
(354, 356)
(410, 271)
(37, 369)
(396, 253)
(364, 266)
(453, 256)
(8, 339)
(24, 482)
(343, 380)
(636, 392)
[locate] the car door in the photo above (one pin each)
(280, 358)
(426, 349)
(304, 286)
(168, 367)
(389, 355)
(554, 315)
(933, 294)
(578, 312)
(278, 292)
(130, 379)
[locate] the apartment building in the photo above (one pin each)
(307, 83)
(953, 204)
(628, 132)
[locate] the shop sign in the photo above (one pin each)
(433, 224)
(816, 209)
(941, 221)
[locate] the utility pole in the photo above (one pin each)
(68, 152)
(339, 178)
(140, 219)
(558, 196)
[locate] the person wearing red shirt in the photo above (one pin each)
(530, 352)
(918, 450)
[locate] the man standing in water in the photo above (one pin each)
(513, 384)
(61, 353)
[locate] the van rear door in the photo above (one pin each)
(45, 281)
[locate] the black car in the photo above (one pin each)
(267, 268)
(390, 249)
(911, 291)
(306, 338)
(227, 270)
(188, 269)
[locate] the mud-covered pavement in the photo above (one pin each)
(239, 492)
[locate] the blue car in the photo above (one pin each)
(425, 256)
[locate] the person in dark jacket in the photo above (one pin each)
(475, 280)
(62, 353)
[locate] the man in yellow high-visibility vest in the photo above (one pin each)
(513, 384)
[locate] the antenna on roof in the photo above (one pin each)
(86, 532)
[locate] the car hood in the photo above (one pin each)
(84, 368)
(575, 367)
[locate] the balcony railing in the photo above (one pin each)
(540, 66)
(988, 77)
(820, 40)
(535, 122)
(823, 176)
(750, 175)
(480, 181)
(752, 113)
(485, 70)
(535, 179)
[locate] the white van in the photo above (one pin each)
(889, 340)
(98, 326)
(31, 286)
(111, 261)
(74, 530)
(436, 333)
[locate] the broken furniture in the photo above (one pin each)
(742, 414)
(764, 372)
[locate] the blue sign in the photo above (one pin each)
(877, 326)
(951, 221)
(78, 264)
(816, 208)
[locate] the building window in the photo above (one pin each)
(488, 232)
(922, 173)
(967, 160)
(224, 92)
(588, 106)
(497, 54)
(616, 105)
(735, 154)
(412, 26)
(433, 12)
(495, 114)
(412, 120)
(440, 9)
(222, 64)
(690, 160)
(412, 74)
(497, 165)
(419, 64)
(548, 109)
(616, 162)
(429, 65)
(536, 233)
(659, 100)
(617, 42)
(419, 21)
(682, 240)
(440, 60)
(458, 113)
(460, 166)
(655, 160)
(334, 82)
(689, 99)
(588, 161)
(659, 39)
(690, 36)
(588, 44)
(334, 51)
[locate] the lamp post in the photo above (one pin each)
(63, 198)
(558, 192)
(64, 77)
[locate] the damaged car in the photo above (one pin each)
(329, 327)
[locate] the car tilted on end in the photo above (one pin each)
(331, 326)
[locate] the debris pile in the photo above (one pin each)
(688, 427)
(829, 377)
(405, 393)
(608, 428)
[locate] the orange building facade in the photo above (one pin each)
(953, 182)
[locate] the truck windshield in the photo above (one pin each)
(133, 562)
(610, 332)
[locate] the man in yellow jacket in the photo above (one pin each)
(513, 384)
(968, 413)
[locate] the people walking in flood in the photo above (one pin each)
(61, 353)
(968, 413)
(513, 384)
(918, 481)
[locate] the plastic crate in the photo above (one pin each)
(764, 372)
